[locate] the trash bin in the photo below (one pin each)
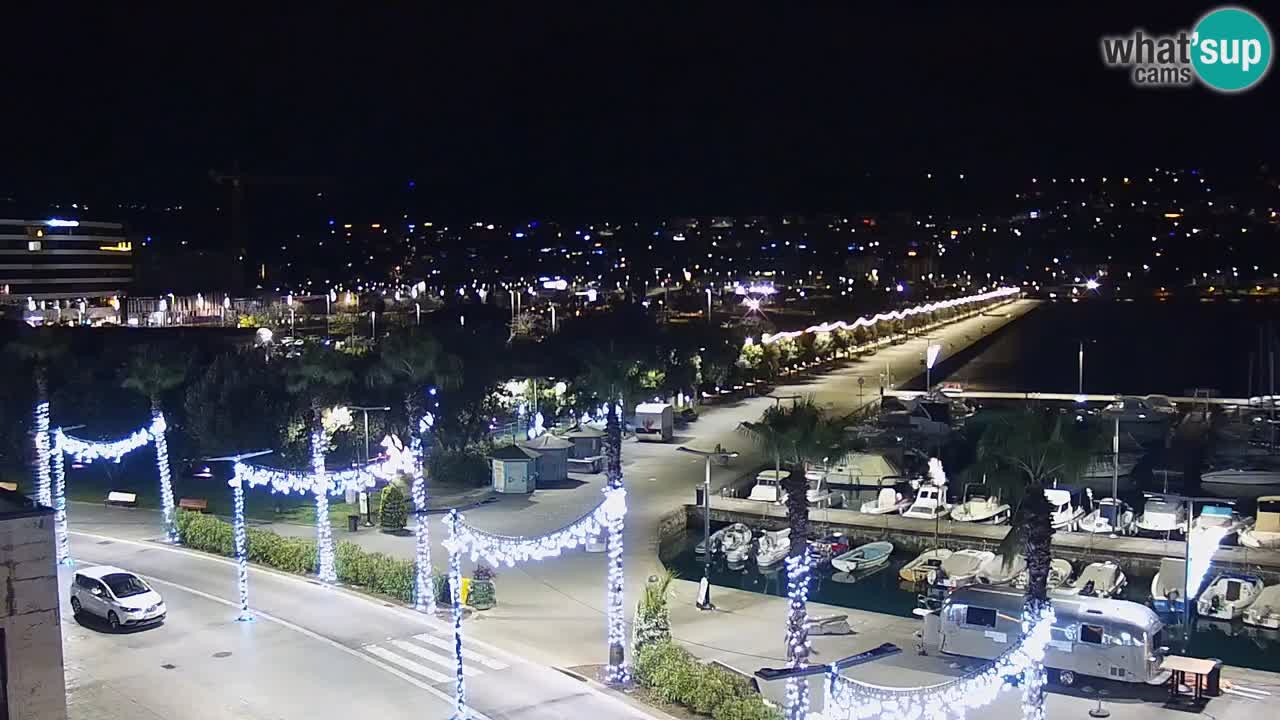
(698, 496)
(1213, 681)
(353, 523)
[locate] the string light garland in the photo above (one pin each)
(509, 550)
(850, 699)
(62, 549)
(424, 596)
(798, 648)
(162, 468)
(44, 494)
(615, 509)
(894, 315)
(454, 545)
(241, 547)
(324, 531)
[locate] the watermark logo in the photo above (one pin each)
(1228, 50)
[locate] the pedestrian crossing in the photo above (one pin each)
(429, 657)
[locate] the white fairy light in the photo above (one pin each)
(324, 532)
(797, 697)
(851, 699)
(60, 509)
(894, 315)
(44, 494)
(162, 468)
(615, 508)
(454, 545)
(424, 596)
(241, 547)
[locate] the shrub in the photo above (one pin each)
(467, 467)
(745, 708)
(675, 676)
(394, 512)
(373, 571)
(652, 620)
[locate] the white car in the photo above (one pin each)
(117, 596)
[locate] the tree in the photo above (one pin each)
(40, 349)
(393, 510)
(153, 372)
(238, 404)
(410, 361)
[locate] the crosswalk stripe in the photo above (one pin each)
(406, 663)
(1250, 695)
(429, 656)
(1249, 689)
(468, 654)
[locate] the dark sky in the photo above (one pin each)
(578, 107)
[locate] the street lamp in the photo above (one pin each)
(364, 497)
(704, 589)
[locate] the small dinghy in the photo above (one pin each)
(1168, 594)
(1265, 611)
(1228, 596)
(980, 506)
(1060, 571)
(925, 567)
(772, 547)
(888, 501)
(961, 568)
(863, 557)
(1109, 517)
(725, 538)
(998, 571)
(1100, 580)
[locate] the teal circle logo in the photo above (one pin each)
(1231, 49)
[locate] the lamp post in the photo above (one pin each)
(1080, 371)
(364, 497)
(704, 589)
(708, 306)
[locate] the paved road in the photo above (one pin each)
(313, 652)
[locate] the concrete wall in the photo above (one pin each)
(30, 617)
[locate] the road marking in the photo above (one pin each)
(468, 654)
(1250, 695)
(314, 636)
(429, 656)
(1248, 689)
(408, 664)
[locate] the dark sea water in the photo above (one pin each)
(1134, 348)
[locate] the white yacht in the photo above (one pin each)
(930, 503)
(819, 495)
(888, 501)
(961, 567)
(768, 487)
(726, 539)
(1139, 417)
(1162, 517)
(1245, 471)
(1109, 517)
(1228, 596)
(980, 506)
(859, 469)
(1218, 518)
(1065, 512)
(1105, 467)
(1099, 579)
(1265, 532)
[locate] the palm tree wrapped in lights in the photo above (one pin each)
(41, 349)
(154, 372)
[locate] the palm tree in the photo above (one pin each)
(41, 349)
(321, 375)
(152, 372)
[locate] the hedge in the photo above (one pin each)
(674, 676)
(377, 572)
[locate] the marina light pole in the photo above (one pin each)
(364, 496)
(1080, 371)
(704, 589)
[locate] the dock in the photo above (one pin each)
(1069, 397)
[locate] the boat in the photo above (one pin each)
(1105, 467)
(773, 546)
(818, 494)
(725, 538)
(1168, 591)
(1265, 532)
(1109, 517)
(888, 501)
(1245, 471)
(860, 469)
(1065, 512)
(980, 506)
(1099, 579)
(863, 557)
(1162, 517)
(1141, 418)
(1059, 573)
(1228, 595)
(930, 503)
(925, 566)
(1265, 610)
(961, 567)
(768, 487)
(1221, 519)
(1000, 571)
(825, 548)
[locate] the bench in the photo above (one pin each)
(124, 499)
(11, 487)
(196, 504)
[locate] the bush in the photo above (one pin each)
(467, 467)
(394, 510)
(745, 708)
(675, 676)
(373, 571)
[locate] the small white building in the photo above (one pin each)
(515, 470)
(553, 456)
(30, 623)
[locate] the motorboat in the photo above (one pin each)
(1060, 572)
(859, 469)
(773, 546)
(961, 567)
(825, 548)
(999, 570)
(925, 566)
(957, 408)
(1265, 532)
(1162, 517)
(1228, 596)
(818, 494)
(863, 557)
(726, 539)
(930, 503)
(1065, 510)
(768, 487)
(1099, 579)
(1140, 417)
(1106, 467)
(1168, 591)
(919, 416)
(1221, 519)
(1265, 610)
(980, 506)
(888, 501)
(1245, 471)
(1109, 516)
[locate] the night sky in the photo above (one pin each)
(582, 108)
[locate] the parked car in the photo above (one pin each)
(117, 596)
